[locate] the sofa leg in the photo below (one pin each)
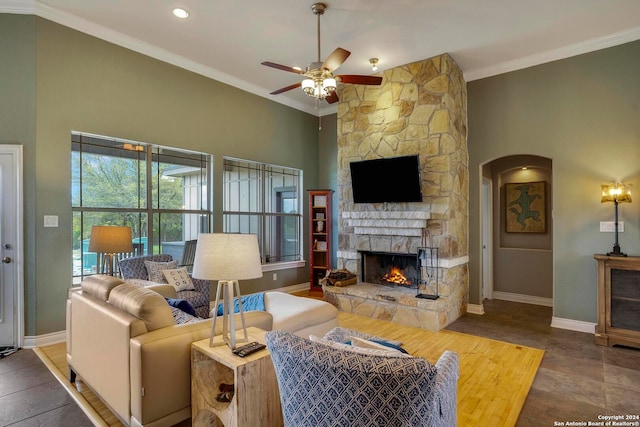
(72, 376)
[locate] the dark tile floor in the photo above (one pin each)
(577, 379)
(31, 396)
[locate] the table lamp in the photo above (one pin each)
(227, 258)
(616, 193)
(110, 240)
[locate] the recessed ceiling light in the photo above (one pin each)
(180, 13)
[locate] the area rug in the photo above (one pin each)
(495, 376)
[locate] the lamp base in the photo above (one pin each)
(228, 336)
(616, 251)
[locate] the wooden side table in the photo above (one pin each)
(256, 398)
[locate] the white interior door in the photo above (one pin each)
(11, 301)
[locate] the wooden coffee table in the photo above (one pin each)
(256, 398)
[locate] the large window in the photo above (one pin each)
(264, 199)
(160, 192)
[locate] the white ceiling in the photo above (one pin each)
(228, 39)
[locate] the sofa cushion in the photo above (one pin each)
(145, 304)
(155, 270)
(292, 313)
(179, 279)
(100, 285)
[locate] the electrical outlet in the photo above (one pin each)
(610, 226)
(275, 276)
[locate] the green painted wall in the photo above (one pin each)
(17, 125)
(582, 113)
(328, 171)
(86, 84)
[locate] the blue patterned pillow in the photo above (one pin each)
(183, 305)
(180, 317)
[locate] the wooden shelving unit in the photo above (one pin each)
(319, 236)
(618, 301)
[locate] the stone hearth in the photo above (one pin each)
(419, 108)
(395, 304)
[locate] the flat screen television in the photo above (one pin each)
(388, 180)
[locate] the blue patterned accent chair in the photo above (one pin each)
(321, 385)
(134, 271)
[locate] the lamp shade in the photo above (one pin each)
(110, 239)
(221, 256)
(616, 193)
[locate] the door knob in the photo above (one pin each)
(6, 260)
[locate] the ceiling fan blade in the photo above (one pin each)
(282, 67)
(359, 80)
(336, 59)
(332, 97)
(284, 89)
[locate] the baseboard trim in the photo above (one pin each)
(475, 309)
(526, 299)
(47, 339)
(573, 325)
(293, 288)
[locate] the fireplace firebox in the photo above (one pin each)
(389, 269)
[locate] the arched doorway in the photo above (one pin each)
(518, 237)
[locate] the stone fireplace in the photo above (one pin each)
(420, 108)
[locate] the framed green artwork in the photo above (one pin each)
(525, 209)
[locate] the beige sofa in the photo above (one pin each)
(123, 343)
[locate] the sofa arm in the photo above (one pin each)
(161, 366)
(446, 388)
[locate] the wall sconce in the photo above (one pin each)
(616, 193)
(374, 64)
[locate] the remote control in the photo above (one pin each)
(249, 348)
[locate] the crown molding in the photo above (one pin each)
(136, 45)
(18, 7)
(87, 27)
(586, 46)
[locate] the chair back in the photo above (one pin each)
(134, 268)
(189, 254)
(322, 385)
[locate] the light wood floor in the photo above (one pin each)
(495, 376)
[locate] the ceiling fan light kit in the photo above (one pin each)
(320, 82)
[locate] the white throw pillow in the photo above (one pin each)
(179, 278)
(386, 352)
(155, 269)
(360, 342)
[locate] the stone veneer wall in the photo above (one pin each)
(420, 108)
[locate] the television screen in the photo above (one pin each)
(394, 179)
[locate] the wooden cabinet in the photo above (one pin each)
(618, 301)
(319, 236)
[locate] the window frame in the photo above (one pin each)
(265, 213)
(146, 209)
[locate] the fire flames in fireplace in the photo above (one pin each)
(395, 276)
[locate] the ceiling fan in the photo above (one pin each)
(320, 82)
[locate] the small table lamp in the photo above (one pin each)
(616, 193)
(227, 258)
(110, 240)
